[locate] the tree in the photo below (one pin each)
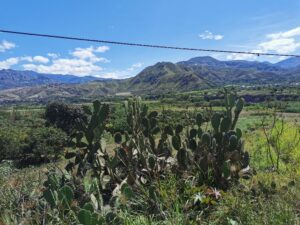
(63, 116)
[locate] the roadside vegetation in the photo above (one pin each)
(217, 156)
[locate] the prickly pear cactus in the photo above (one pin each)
(218, 152)
(143, 153)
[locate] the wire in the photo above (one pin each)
(144, 45)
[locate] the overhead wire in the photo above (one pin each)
(144, 45)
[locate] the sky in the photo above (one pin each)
(271, 26)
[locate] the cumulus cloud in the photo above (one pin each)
(40, 59)
(64, 66)
(6, 64)
(235, 56)
(26, 58)
(282, 42)
(84, 61)
(6, 45)
(53, 55)
(135, 66)
(285, 42)
(121, 74)
(89, 53)
(101, 49)
(207, 35)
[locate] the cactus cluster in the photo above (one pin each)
(142, 156)
(60, 194)
(89, 151)
(210, 150)
(217, 154)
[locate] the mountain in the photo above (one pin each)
(211, 62)
(203, 61)
(289, 63)
(12, 79)
(166, 76)
(163, 77)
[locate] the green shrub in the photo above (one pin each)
(63, 116)
(117, 121)
(45, 141)
(11, 143)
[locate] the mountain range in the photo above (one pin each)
(193, 74)
(13, 78)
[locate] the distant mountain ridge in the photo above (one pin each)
(290, 63)
(13, 78)
(163, 77)
(238, 64)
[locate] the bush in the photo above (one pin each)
(63, 116)
(33, 146)
(117, 122)
(45, 141)
(11, 143)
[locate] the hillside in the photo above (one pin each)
(163, 77)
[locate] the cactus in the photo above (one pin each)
(118, 138)
(238, 133)
(55, 195)
(87, 155)
(238, 108)
(182, 158)
(86, 217)
(193, 133)
(140, 155)
(206, 138)
(225, 124)
(233, 141)
(215, 121)
(199, 119)
(176, 142)
(178, 129)
(215, 152)
(145, 154)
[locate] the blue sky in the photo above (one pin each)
(250, 25)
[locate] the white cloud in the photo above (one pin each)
(287, 34)
(40, 59)
(6, 45)
(6, 64)
(285, 42)
(81, 62)
(113, 75)
(84, 61)
(235, 56)
(207, 35)
(26, 58)
(88, 53)
(53, 55)
(135, 66)
(282, 42)
(102, 49)
(121, 74)
(77, 67)
(280, 45)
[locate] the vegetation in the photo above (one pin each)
(63, 116)
(204, 157)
